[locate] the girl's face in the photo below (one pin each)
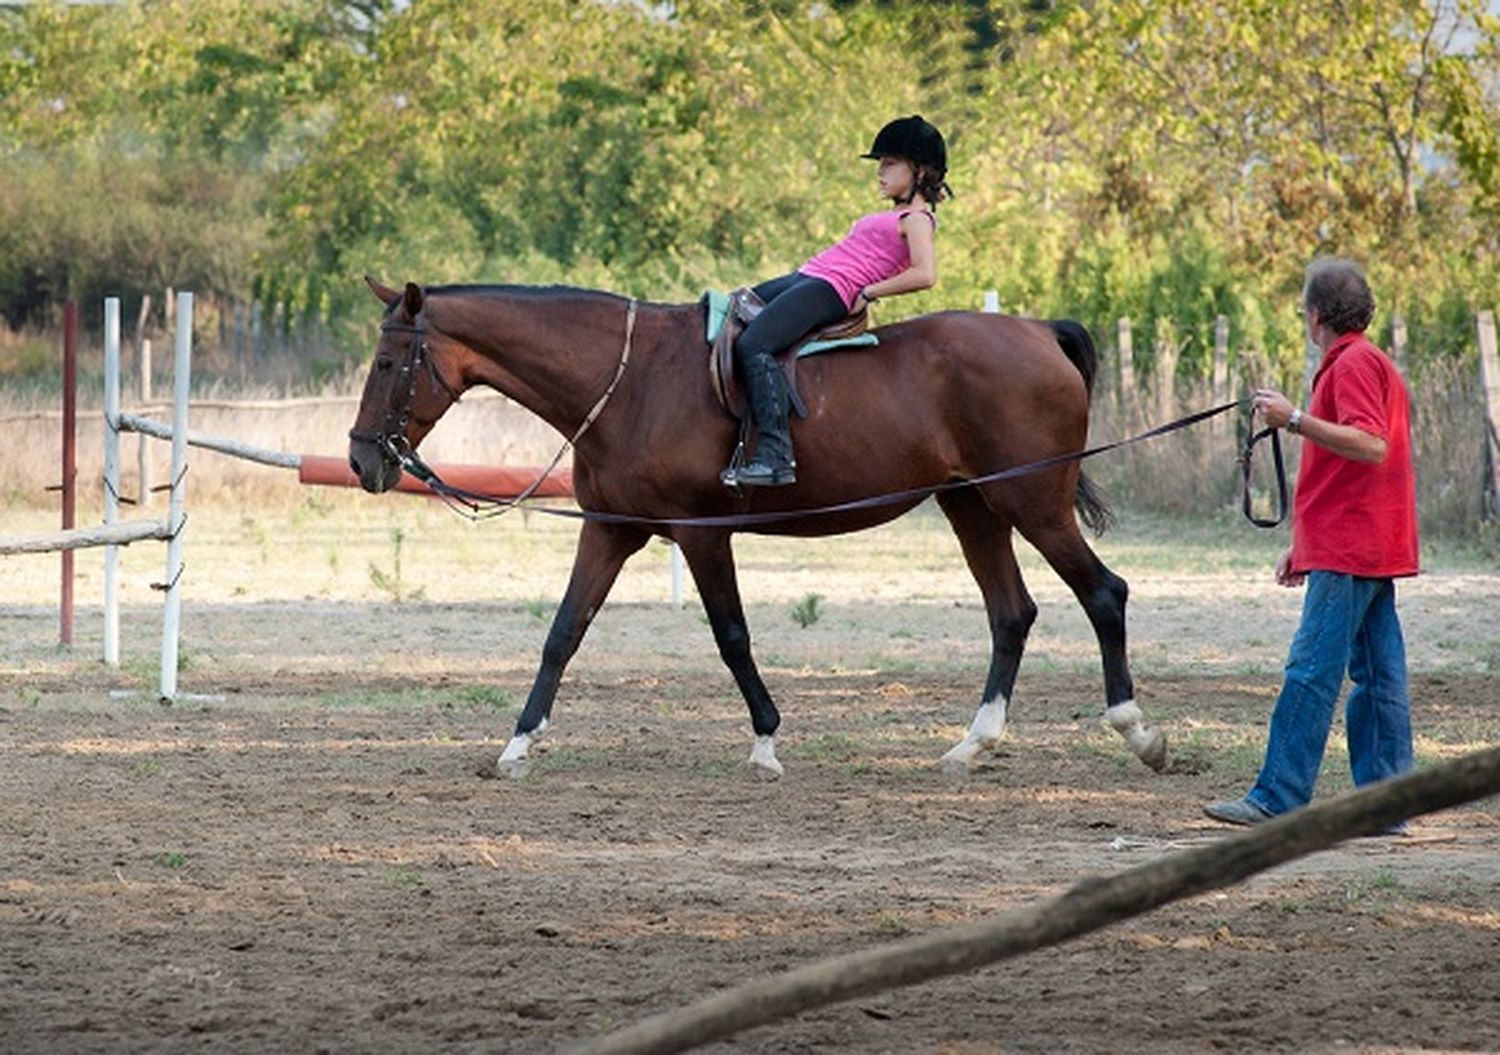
(896, 177)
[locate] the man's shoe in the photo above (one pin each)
(1237, 811)
(760, 474)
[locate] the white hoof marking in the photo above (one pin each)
(762, 761)
(514, 768)
(515, 760)
(984, 735)
(1146, 743)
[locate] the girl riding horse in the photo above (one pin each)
(884, 253)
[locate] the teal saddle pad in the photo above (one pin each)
(718, 307)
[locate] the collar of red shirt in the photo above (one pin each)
(1342, 343)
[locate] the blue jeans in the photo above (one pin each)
(1348, 623)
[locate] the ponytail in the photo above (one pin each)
(932, 185)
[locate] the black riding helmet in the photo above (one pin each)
(914, 138)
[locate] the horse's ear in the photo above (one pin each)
(412, 299)
(386, 294)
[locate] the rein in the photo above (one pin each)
(475, 506)
(1244, 460)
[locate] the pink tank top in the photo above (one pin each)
(872, 251)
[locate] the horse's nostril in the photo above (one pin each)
(354, 465)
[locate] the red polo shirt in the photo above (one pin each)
(1355, 517)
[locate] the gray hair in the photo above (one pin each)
(1336, 289)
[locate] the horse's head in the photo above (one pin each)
(405, 393)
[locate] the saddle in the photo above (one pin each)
(727, 318)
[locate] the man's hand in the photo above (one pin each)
(1284, 574)
(1272, 406)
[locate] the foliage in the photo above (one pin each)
(808, 610)
(1166, 160)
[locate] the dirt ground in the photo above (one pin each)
(312, 860)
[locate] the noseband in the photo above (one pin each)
(392, 435)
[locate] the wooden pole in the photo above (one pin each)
(247, 451)
(1398, 341)
(89, 535)
(111, 478)
(1165, 368)
(143, 453)
(1088, 905)
(143, 365)
(181, 373)
(69, 461)
(1221, 372)
(1489, 381)
(1127, 373)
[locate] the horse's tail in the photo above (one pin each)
(1078, 345)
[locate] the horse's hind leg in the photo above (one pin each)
(602, 551)
(1102, 594)
(710, 557)
(986, 540)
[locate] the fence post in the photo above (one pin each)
(1165, 368)
(1398, 341)
(992, 301)
(1127, 372)
(143, 364)
(172, 619)
(1489, 382)
(1221, 371)
(69, 462)
(111, 478)
(1312, 355)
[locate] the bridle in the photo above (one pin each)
(392, 440)
(392, 435)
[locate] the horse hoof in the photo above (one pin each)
(514, 768)
(762, 761)
(959, 760)
(1154, 753)
(953, 767)
(763, 772)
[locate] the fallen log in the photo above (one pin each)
(1088, 905)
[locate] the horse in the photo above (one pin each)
(943, 398)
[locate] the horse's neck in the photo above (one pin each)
(553, 353)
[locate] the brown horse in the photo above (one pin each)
(943, 398)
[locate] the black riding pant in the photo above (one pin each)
(796, 304)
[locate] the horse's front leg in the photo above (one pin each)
(602, 551)
(986, 540)
(710, 557)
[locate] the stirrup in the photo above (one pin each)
(759, 474)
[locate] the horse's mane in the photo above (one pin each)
(541, 293)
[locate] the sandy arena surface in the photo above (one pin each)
(311, 859)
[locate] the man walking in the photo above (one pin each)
(1354, 532)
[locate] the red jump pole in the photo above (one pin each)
(482, 479)
(69, 459)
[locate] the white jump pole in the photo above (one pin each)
(992, 301)
(111, 478)
(172, 619)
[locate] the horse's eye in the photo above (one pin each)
(383, 363)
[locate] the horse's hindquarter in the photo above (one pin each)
(944, 396)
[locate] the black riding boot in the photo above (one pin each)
(772, 464)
